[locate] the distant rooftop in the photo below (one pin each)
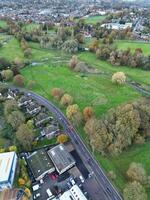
(61, 158)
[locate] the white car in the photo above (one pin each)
(81, 178)
(41, 181)
(38, 195)
(72, 181)
(35, 187)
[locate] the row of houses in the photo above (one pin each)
(41, 117)
(48, 126)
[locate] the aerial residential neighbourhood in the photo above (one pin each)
(74, 100)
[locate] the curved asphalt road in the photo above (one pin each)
(107, 191)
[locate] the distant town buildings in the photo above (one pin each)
(117, 26)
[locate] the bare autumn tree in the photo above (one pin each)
(25, 136)
(66, 100)
(134, 190)
(9, 107)
(16, 118)
(27, 52)
(62, 138)
(115, 131)
(73, 62)
(74, 114)
(94, 45)
(99, 137)
(143, 107)
(87, 113)
(57, 93)
(119, 78)
(136, 172)
(7, 74)
(18, 80)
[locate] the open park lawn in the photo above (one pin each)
(3, 24)
(92, 90)
(30, 27)
(94, 19)
(125, 44)
(120, 164)
(87, 90)
(135, 74)
(11, 48)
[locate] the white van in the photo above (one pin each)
(35, 187)
(49, 192)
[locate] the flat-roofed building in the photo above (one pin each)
(74, 193)
(61, 158)
(40, 164)
(8, 162)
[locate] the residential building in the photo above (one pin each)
(61, 158)
(8, 163)
(33, 108)
(42, 118)
(24, 101)
(12, 93)
(40, 164)
(50, 131)
(117, 26)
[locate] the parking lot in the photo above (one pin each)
(59, 183)
(55, 183)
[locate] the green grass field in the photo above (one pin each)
(135, 74)
(11, 50)
(30, 27)
(94, 19)
(3, 24)
(120, 164)
(97, 91)
(91, 90)
(123, 44)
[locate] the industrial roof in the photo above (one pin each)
(6, 161)
(40, 163)
(61, 158)
(73, 194)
